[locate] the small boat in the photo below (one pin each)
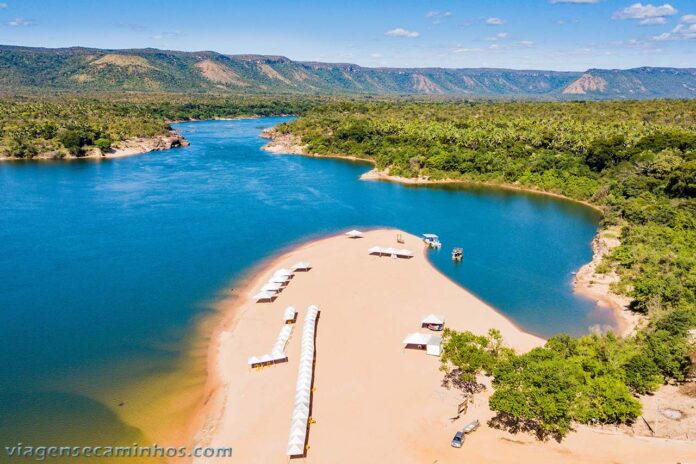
(432, 240)
(457, 254)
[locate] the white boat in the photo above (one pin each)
(432, 240)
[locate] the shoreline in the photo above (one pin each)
(245, 408)
(585, 277)
(130, 147)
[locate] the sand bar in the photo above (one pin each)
(375, 402)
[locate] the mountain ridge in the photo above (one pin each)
(155, 70)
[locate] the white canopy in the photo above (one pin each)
(264, 296)
(289, 314)
(374, 250)
(433, 319)
(271, 287)
(283, 272)
(302, 266)
(417, 339)
(404, 252)
(389, 251)
(279, 279)
(354, 234)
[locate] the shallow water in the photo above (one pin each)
(107, 266)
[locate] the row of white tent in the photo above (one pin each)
(303, 391)
(278, 281)
(381, 251)
(277, 353)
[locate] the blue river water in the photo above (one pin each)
(107, 265)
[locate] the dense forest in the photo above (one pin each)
(71, 125)
(635, 160)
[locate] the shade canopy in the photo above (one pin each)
(271, 287)
(283, 272)
(289, 313)
(279, 279)
(433, 319)
(354, 234)
(264, 296)
(375, 249)
(417, 339)
(404, 252)
(302, 266)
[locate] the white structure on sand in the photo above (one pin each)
(354, 234)
(277, 353)
(431, 343)
(303, 391)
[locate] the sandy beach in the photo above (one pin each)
(374, 401)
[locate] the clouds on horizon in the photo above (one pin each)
(401, 32)
(646, 15)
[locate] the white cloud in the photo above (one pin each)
(20, 22)
(688, 19)
(494, 21)
(3, 6)
(526, 43)
(646, 15)
(376, 55)
(467, 50)
(432, 14)
(401, 32)
(653, 21)
(680, 32)
(586, 2)
(498, 36)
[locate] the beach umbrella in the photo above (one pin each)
(271, 287)
(295, 449)
(375, 250)
(264, 296)
(301, 266)
(279, 279)
(354, 234)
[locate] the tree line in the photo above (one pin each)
(634, 159)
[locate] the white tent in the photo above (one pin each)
(283, 272)
(434, 346)
(302, 266)
(303, 388)
(271, 287)
(433, 319)
(375, 250)
(405, 253)
(416, 338)
(264, 296)
(432, 343)
(390, 251)
(354, 234)
(279, 279)
(289, 314)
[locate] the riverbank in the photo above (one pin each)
(587, 281)
(136, 146)
(373, 400)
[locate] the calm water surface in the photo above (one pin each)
(106, 266)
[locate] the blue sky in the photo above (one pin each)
(529, 34)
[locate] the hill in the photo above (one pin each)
(153, 70)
